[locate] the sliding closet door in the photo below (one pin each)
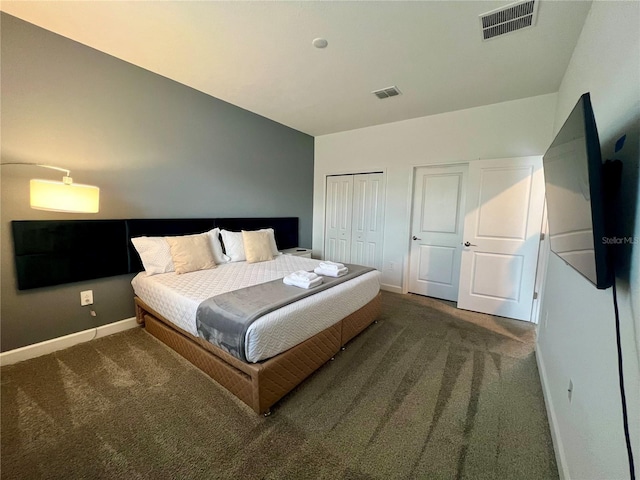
(338, 214)
(366, 232)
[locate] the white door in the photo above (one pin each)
(337, 243)
(501, 236)
(367, 219)
(437, 225)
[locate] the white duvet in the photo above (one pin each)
(176, 297)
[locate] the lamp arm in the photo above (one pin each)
(68, 172)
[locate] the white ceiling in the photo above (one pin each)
(259, 56)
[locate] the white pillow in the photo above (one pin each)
(233, 245)
(216, 247)
(155, 254)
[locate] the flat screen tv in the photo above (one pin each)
(574, 181)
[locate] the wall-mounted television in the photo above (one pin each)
(574, 181)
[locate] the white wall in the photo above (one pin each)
(577, 341)
(510, 129)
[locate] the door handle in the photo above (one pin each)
(467, 244)
(416, 238)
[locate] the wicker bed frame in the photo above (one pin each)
(259, 385)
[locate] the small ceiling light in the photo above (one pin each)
(320, 43)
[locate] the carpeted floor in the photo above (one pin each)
(429, 392)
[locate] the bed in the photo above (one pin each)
(282, 347)
(55, 252)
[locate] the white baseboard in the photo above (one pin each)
(558, 447)
(60, 343)
(390, 288)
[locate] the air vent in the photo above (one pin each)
(387, 92)
(515, 16)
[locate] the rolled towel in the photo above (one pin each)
(327, 265)
(303, 275)
(331, 273)
(300, 283)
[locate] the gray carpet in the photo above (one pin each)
(429, 392)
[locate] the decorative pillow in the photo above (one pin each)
(233, 245)
(216, 247)
(272, 240)
(257, 246)
(155, 254)
(191, 252)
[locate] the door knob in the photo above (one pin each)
(467, 244)
(416, 238)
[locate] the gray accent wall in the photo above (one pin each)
(156, 149)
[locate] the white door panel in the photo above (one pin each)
(440, 203)
(368, 194)
(437, 264)
(493, 273)
(437, 223)
(338, 218)
(502, 230)
(503, 213)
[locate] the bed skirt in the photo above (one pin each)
(259, 385)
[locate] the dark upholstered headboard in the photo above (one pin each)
(54, 252)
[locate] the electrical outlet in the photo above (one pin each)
(570, 390)
(392, 266)
(86, 298)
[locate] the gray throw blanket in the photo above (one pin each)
(224, 319)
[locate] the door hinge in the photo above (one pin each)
(541, 236)
(535, 295)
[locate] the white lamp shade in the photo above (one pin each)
(61, 197)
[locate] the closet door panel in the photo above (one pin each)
(367, 231)
(338, 218)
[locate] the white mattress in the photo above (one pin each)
(176, 297)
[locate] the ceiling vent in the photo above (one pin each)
(387, 92)
(514, 16)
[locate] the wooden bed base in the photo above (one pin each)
(259, 385)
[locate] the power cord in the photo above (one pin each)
(623, 397)
(612, 176)
(93, 314)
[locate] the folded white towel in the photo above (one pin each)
(303, 275)
(300, 283)
(331, 273)
(327, 265)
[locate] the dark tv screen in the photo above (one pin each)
(573, 173)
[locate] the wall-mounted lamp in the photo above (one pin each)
(64, 196)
